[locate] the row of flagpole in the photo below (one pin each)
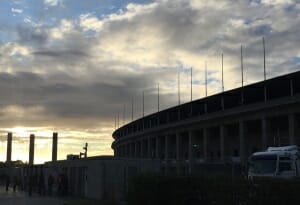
(117, 117)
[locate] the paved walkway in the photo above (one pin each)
(22, 198)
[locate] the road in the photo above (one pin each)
(22, 198)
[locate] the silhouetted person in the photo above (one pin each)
(59, 188)
(64, 184)
(15, 183)
(7, 182)
(30, 184)
(50, 184)
(41, 184)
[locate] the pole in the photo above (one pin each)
(178, 80)
(158, 97)
(124, 111)
(205, 79)
(222, 75)
(242, 68)
(191, 83)
(132, 109)
(264, 48)
(143, 104)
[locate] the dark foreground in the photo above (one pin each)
(22, 198)
(156, 190)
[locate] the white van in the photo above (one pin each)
(276, 162)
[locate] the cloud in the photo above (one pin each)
(14, 10)
(52, 2)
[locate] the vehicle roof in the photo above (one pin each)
(280, 153)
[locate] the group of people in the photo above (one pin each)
(15, 183)
(37, 183)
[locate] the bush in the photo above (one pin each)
(156, 190)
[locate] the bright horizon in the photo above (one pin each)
(73, 66)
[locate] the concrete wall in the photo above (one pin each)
(101, 179)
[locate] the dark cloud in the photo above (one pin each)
(61, 53)
(32, 36)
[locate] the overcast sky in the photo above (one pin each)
(70, 65)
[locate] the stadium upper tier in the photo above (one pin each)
(243, 97)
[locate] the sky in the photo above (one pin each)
(73, 66)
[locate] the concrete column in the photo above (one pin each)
(190, 151)
(265, 93)
(292, 129)
(141, 149)
(291, 87)
(242, 142)
(9, 147)
(31, 149)
(128, 149)
(133, 144)
(131, 149)
(136, 149)
(157, 146)
(222, 136)
(149, 148)
(242, 96)
(205, 135)
(54, 147)
(167, 147)
(264, 132)
(178, 147)
(145, 141)
(124, 150)
(222, 103)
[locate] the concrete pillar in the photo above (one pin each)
(205, 135)
(54, 147)
(242, 143)
(291, 129)
(222, 137)
(264, 132)
(178, 147)
(9, 147)
(190, 150)
(291, 87)
(157, 147)
(167, 147)
(265, 93)
(123, 150)
(31, 149)
(149, 148)
(136, 149)
(141, 149)
(131, 149)
(222, 103)
(242, 96)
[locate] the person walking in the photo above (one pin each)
(7, 182)
(50, 184)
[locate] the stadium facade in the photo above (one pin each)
(219, 129)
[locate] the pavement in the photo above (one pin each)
(22, 198)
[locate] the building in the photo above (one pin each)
(219, 129)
